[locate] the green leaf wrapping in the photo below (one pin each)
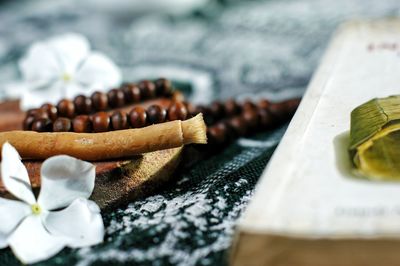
(375, 138)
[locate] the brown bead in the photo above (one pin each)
(99, 101)
(101, 122)
(40, 113)
(83, 104)
(42, 125)
(291, 106)
(251, 118)
(131, 92)
(248, 105)
(155, 114)
(278, 110)
(266, 119)
(217, 134)
(264, 104)
(32, 112)
(238, 125)
(217, 109)
(82, 124)
(147, 89)
(191, 109)
(177, 111)
(163, 87)
(208, 118)
(62, 124)
(51, 110)
(202, 109)
(119, 120)
(285, 109)
(231, 107)
(116, 98)
(27, 124)
(37, 113)
(137, 117)
(66, 108)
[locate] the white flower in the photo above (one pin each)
(63, 67)
(37, 229)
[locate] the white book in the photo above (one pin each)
(308, 208)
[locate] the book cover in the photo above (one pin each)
(309, 208)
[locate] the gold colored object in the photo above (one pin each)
(375, 138)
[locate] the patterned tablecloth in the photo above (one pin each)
(215, 50)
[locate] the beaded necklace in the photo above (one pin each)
(225, 120)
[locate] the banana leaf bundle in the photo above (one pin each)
(375, 138)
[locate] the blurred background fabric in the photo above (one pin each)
(214, 50)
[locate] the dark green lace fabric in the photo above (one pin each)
(212, 50)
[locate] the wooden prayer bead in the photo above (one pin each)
(201, 109)
(155, 114)
(177, 111)
(191, 109)
(99, 101)
(163, 86)
(32, 112)
(42, 125)
(217, 109)
(131, 93)
(208, 118)
(83, 104)
(248, 105)
(62, 124)
(276, 110)
(147, 89)
(217, 134)
(230, 133)
(27, 124)
(82, 124)
(119, 120)
(137, 117)
(40, 113)
(251, 118)
(291, 106)
(231, 107)
(264, 104)
(198, 109)
(266, 119)
(66, 108)
(51, 110)
(238, 125)
(116, 98)
(284, 109)
(101, 122)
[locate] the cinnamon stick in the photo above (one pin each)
(107, 145)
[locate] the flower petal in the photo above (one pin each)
(12, 212)
(47, 93)
(71, 49)
(3, 241)
(31, 242)
(80, 222)
(40, 63)
(14, 89)
(64, 179)
(74, 89)
(100, 70)
(14, 174)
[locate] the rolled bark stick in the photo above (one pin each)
(108, 145)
